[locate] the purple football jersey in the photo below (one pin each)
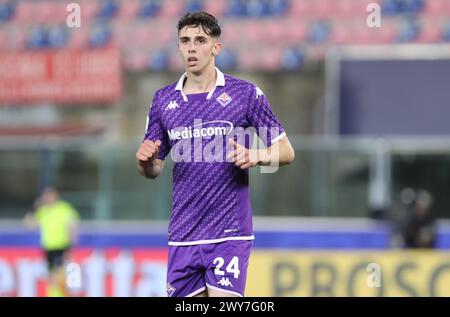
(211, 201)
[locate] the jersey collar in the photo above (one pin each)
(220, 81)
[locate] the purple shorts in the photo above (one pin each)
(217, 266)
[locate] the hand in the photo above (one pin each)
(148, 150)
(242, 157)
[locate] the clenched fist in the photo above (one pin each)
(148, 150)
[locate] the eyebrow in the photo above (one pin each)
(198, 37)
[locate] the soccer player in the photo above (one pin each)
(210, 228)
(58, 222)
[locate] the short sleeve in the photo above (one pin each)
(38, 214)
(155, 130)
(261, 117)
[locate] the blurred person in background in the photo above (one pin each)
(414, 226)
(57, 221)
(210, 228)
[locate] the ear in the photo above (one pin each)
(216, 48)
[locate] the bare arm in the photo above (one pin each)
(29, 221)
(280, 153)
(148, 165)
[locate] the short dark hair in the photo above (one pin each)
(207, 21)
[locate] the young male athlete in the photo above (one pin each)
(210, 228)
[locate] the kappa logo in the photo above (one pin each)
(172, 105)
(224, 99)
(170, 290)
(224, 281)
(258, 92)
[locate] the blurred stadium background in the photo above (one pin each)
(367, 110)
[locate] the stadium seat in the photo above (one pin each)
(99, 35)
(135, 59)
(436, 7)
(344, 8)
(193, 6)
(171, 9)
(300, 8)
(318, 31)
(413, 6)
(341, 33)
(79, 38)
(25, 11)
(128, 9)
(387, 33)
(253, 32)
(165, 33)
(291, 59)
(44, 12)
(227, 59)
(275, 30)
(108, 8)
(259, 57)
(323, 9)
(37, 38)
(57, 36)
(445, 36)
(408, 30)
(218, 8)
(175, 63)
(7, 10)
(271, 59)
(296, 31)
(149, 8)
(89, 9)
(391, 7)
(232, 33)
(236, 8)
(159, 60)
(255, 8)
(431, 31)
(3, 40)
(17, 39)
(278, 7)
(58, 13)
(248, 57)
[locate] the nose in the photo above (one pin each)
(191, 48)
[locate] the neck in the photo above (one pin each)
(200, 82)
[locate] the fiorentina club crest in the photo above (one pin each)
(224, 99)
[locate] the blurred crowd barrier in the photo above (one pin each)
(329, 178)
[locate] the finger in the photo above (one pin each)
(148, 147)
(232, 156)
(246, 165)
(148, 153)
(241, 156)
(151, 144)
(148, 142)
(141, 157)
(234, 144)
(240, 162)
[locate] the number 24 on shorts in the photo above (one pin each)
(232, 267)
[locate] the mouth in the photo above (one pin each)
(192, 61)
